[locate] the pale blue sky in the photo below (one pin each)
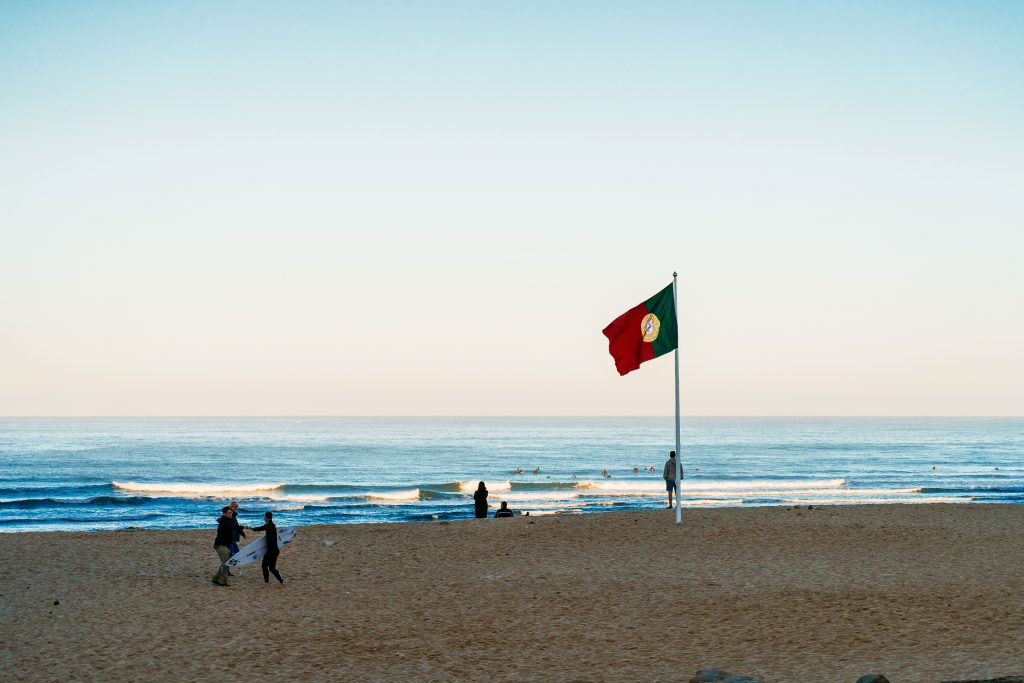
(434, 208)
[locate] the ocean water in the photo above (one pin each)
(162, 473)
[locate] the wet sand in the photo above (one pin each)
(917, 592)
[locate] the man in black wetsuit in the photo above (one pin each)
(270, 559)
(222, 544)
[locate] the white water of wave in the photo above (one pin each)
(187, 490)
(470, 486)
(298, 498)
(650, 487)
(528, 496)
(411, 494)
(831, 492)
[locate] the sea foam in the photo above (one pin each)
(469, 486)
(197, 489)
(410, 494)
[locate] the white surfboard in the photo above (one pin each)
(255, 551)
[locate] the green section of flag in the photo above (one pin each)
(663, 305)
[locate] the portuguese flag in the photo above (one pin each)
(643, 332)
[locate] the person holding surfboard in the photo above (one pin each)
(270, 559)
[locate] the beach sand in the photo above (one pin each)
(917, 592)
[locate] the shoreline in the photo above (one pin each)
(918, 592)
(256, 512)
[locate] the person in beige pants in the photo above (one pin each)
(222, 544)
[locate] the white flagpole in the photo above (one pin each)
(679, 452)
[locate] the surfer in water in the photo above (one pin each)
(270, 559)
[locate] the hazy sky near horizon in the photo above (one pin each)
(398, 208)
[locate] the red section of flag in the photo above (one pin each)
(626, 340)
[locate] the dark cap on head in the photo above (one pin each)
(671, 454)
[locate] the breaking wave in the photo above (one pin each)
(470, 486)
(197, 489)
(412, 494)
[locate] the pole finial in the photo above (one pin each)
(674, 274)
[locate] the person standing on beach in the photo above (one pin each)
(238, 533)
(669, 475)
(222, 544)
(270, 559)
(480, 501)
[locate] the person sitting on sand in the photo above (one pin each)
(270, 559)
(480, 501)
(222, 544)
(503, 511)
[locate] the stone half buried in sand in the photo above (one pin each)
(719, 676)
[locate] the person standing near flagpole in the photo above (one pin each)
(669, 475)
(644, 332)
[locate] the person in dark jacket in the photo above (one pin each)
(480, 501)
(503, 511)
(222, 544)
(270, 559)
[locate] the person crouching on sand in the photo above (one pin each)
(222, 544)
(480, 501)
(270, 559)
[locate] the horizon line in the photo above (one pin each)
(504, 416)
